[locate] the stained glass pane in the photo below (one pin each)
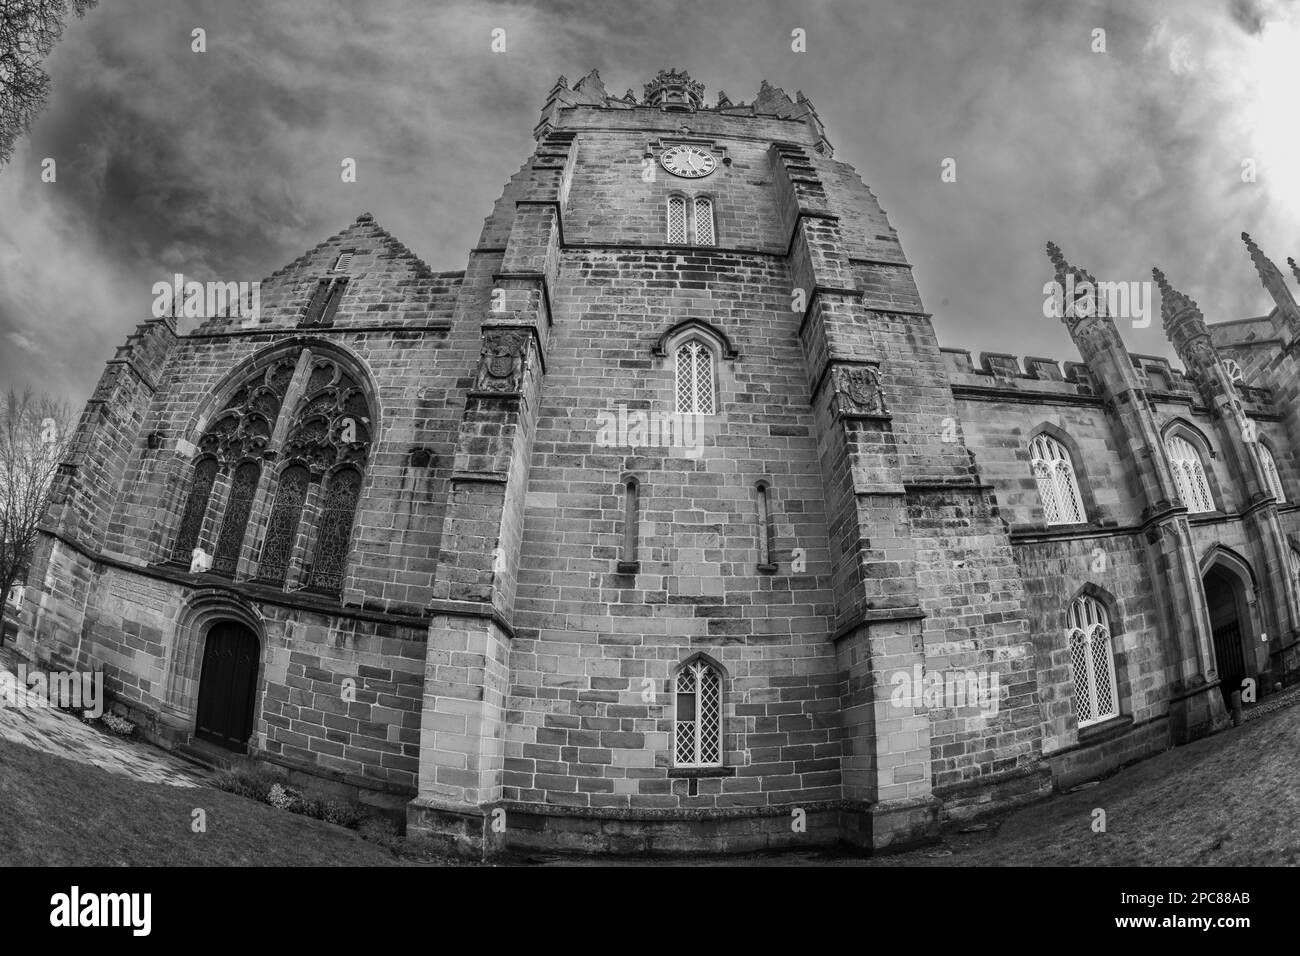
(240, 505)
(187, 539)
(335, 533)
(282, 529)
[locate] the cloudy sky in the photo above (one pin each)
(225, 164)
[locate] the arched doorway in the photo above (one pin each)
(1225, 596)
(228, 686)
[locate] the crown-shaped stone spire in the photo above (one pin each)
(1274, 283)
(1185, 326)
(1175, 306)
(674, 89)
(1077, 289)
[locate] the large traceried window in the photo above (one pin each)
(327, 440)
(695, 378)
(1057, 486)
(1193, 486)
(697, 724)
(1270, 473)
(1092, 661)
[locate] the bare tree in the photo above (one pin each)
(28, 31)
(34, 433)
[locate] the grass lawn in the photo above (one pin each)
(59, 812)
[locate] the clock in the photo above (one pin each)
(691, 162)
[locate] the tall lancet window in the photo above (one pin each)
(695, 378)
(1270, 473)
(335, 530)
(1189, 473)
(1057, 487)
(697, 727)
(196, 506)
(282, 529)
(676, 218)
(704, 231)
(1092, 661)
(243, 489)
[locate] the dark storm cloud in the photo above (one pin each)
(226, 164)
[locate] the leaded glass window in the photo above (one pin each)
(243, 489)
(335, 531)
(1189, 473)
(1057, 487)
(196, 507)
(1092, 663)
(704, 233)
(282, 529)
(697, 727)
(695, 378)
(1270, 473)
(676, 218)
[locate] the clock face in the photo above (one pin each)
(692, 162)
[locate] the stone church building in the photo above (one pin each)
(666, 524)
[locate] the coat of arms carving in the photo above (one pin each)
(857, 389)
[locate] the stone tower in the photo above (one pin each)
(828, 532)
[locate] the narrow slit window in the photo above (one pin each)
(766, 528)
(630, 564)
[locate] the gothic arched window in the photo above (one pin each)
(196, 507)
(1189, 473)
(1270, 473)
(704, 231)
(697, 723)
(335, 530)
(282, 528)
(1057, 486)
(695, 378)
(676, 218)
(1092, 661)
(1293, 561)
(243, 489)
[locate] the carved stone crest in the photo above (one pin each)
(501, 362)
(857, 390)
